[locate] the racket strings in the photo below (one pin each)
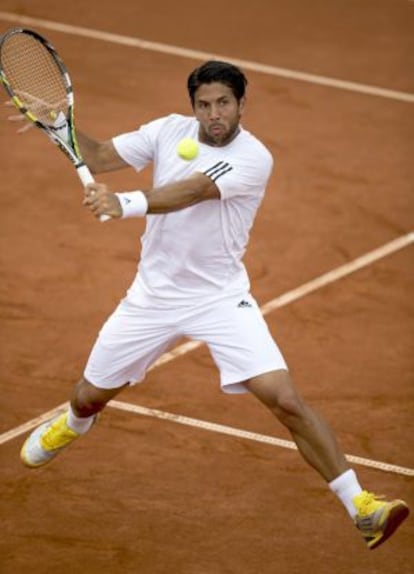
(35, 77)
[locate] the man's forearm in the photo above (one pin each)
(99, 156)
(89, 149)
(181, 194)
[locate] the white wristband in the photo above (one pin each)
(133, 204)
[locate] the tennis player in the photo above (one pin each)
(191, 282)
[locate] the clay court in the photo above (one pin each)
(155, 487)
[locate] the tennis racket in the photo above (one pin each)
(39, 85)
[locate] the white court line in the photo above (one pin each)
(199, 55)
(231, 431)
(293, 295)
(33, 423)
(207, 426)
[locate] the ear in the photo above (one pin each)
(242, 104)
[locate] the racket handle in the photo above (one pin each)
(86, 177)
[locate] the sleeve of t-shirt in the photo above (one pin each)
(243, 176)
(137, 148)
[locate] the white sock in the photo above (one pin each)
(79, 424)
(346, 486)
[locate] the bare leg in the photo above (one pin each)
(88, 400)
(314, 439)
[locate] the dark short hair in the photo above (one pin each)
(216, 71)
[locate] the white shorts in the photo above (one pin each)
(135, 336)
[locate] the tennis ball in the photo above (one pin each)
(187, 149)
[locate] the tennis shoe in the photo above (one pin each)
(377, 519)
(47, 441)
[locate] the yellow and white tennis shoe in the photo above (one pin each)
(47, 441)
(377, 519)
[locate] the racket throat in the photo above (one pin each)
(61, 128)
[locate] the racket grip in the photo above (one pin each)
(86, 177)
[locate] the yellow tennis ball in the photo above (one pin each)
(187, 149)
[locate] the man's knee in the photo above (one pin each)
(276, 390)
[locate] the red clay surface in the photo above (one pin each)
(143, 495)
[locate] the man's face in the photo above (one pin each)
(218, 112)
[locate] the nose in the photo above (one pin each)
(214, 111)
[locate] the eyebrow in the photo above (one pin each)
(200, 100)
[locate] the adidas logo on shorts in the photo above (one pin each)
(244, 303)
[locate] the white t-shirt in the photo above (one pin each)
(196, 253)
